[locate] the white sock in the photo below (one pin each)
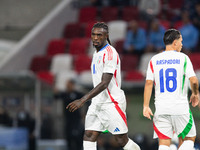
(87, 145)
(130, 145)
(187, 145)
(163, 147)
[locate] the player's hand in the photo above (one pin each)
(194, 99)
(147, 112)
(73, 106)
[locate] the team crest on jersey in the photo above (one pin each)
(99, 59)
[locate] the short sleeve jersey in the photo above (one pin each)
(170, 71)
(107, 61)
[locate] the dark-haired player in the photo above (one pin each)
(172, 71)
(107, 110)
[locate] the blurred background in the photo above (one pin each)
(45, 57)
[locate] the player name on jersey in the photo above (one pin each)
(169, 61)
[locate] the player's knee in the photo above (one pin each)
(90, 136)
(121, 139)
(190, 138)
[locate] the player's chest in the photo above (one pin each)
(98, 60)
(97, 63)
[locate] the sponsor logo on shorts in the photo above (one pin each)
(116, 130)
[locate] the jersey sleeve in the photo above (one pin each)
(150, 71)
(110, 61)
(189, 68)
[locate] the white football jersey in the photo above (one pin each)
(107, 61)
(170, 71)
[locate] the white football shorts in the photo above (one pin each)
(182, 125)
(109, 116)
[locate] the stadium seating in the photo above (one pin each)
(178, 24)
(119, 44)
(175, 4)
(133, 75)
(72, 30)
(194, 57)
(82, 63)
(144, 61)
(78, 46)
(130, 13)
(129, 62)
(46, 77)
(87, 14)
(40, 63)
(117, 30)
(61, 62)
(62, 77)
(88, 28)
(143, 24)
(85, 78)
(109, 13)
(165, 23)
(56, 46)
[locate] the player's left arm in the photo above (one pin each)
(106, 78)
(194, 98)
(147, 96)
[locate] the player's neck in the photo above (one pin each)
(100, 48)
(170, 48)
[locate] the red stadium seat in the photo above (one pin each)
(178, 24)
(143, 24)
(72, 30)
(194, 57)
(165, 23)
(175, 4)
(129, 62)
(133, 75)
(87, 14)
(130, 13)
(56, 46)
(119, 46)
(78, 46)
(40, 63)
(82, 63)
(46, 76)
(88, 28)
(109, 13)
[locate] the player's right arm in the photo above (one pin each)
(194, 98)
(147, 96)
(106, 78)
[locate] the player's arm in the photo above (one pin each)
(106, 78)
(147, 96)
(194, 98)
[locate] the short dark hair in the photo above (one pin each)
(104, 26)
(171, 35)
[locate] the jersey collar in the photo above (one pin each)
(103, 47)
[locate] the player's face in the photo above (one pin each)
(99, 37)
(179, 44)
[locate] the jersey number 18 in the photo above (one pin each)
(166, 75)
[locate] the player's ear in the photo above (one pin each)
(175, 43)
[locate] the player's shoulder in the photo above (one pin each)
(182, 55)
(165, 54)
(158, 55)
(111, 49)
